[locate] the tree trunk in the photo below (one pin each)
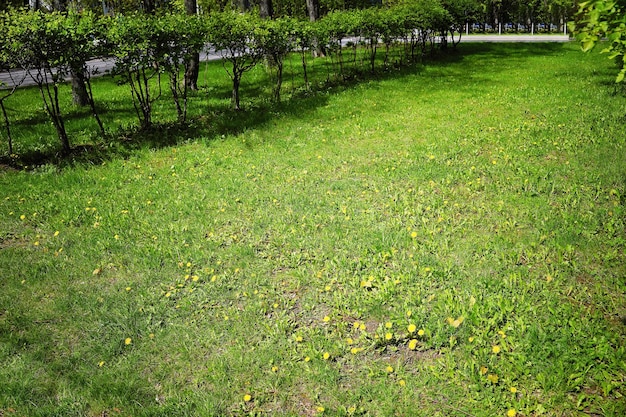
(313, 8)
(235, 96)
(79, 90)
(193, 64)
(148, 6)
(8, 126)
(266, 10)
(244, 5)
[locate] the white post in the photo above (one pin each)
(467, 28)
(532, 28)
(499, 28)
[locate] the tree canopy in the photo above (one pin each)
(597, 19)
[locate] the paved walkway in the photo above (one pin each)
(105, 65)
(515, 38)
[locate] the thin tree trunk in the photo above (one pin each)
(279, 79)
(51, 103)
(8, 127)
(235, 97)
(92, 104)
(193, 64)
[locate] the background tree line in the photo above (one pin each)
(489, 12)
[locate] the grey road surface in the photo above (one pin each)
(105, 65)
(98, 67)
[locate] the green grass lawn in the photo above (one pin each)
(447, 240)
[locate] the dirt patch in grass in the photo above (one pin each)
(10, 240)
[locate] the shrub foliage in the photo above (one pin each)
(52, 47)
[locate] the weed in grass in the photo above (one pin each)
(445, 242)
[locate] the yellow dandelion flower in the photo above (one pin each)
(307, 359)
(483, 370)
(409, 313)
(420, 332)
(128, 288)
(128, 341)
(56, 233)
(513, 390)
(495, 349)
(362, 327)
(502, 334)
(247, 398)
(349, 341)
(493, 378)
(470, 339)
(326, 319)
(388, 325)
(356, 324)
(274, 368)
(413, 344)
(413, 235)
(388, 336)
(351, 409)
(320, 409)
(195, 278)
(101, 364)
(326, 356)
(355, 350)
(511, 413)
(299, 338)
(389, 369)
(455, 323)
(411, 328)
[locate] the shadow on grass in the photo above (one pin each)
(220, 120)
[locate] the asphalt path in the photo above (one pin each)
(102, 66)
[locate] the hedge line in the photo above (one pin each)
(52, 46)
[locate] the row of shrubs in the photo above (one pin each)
(49, 47)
